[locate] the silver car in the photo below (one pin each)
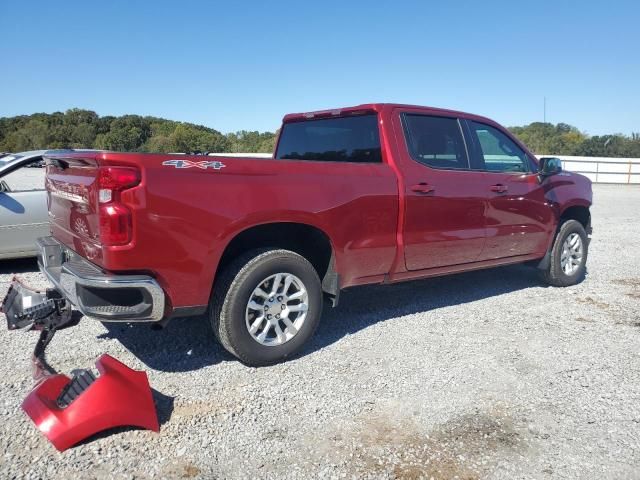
(23, 204)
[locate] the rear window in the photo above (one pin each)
(344, 139)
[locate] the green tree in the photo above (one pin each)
(126, 133)
(34, 134)
(251, 141)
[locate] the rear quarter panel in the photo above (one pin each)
(184, 218)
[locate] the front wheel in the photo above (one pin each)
(568, 261)
(266, 305)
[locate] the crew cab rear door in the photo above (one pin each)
(445, 200)
(517, 214)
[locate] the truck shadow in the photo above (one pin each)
(188, 344)
(364, 306)
(185, 344)
(18, 265)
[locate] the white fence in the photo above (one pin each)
(603, 169)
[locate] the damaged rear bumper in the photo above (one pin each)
(68, 410)
(98, 294)
(65, 409)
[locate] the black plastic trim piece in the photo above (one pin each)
(331, 282)
(82, 379)
(193, 311)
(545, 262)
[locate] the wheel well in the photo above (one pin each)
(307, 241)
(579, 213)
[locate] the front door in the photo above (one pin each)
(517, 214)
(445, 207)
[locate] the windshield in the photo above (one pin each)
(8, 159)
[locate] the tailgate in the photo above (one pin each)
(72, 192)
(90, 202)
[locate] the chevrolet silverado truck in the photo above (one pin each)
(377, 193)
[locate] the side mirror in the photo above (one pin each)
(550, 166)
(4, 187)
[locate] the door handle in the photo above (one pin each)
(422, 188)
(499, 188)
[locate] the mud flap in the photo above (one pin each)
(69, 410)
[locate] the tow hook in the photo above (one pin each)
(69, 410)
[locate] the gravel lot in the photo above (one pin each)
(488, 374)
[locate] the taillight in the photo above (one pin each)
(116, 179)
(115, 224)
(115, 217)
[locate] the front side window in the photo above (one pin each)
(435, 141)
(342, 139)
(499, 153)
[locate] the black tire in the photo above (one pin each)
(553, 274)
(232, 292)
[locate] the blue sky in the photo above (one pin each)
(243, 65)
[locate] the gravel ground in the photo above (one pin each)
(488, 374)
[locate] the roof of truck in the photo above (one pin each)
(376, 107)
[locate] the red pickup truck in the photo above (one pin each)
(376, 193)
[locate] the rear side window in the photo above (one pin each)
(435, 141)
(499, 152)
(343, 139)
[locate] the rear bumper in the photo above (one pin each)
(97, 294)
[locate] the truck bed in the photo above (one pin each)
(184, 212)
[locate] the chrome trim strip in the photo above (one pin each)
(74, 197)
(24, 225)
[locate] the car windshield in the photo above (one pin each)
(8, 159)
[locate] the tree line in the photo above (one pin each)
(77, 128)
(563, 139)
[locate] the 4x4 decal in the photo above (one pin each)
(203, 164)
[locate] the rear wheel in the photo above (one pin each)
(266, 305)
(568, 261)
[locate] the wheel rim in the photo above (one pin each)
(572, 254)
(277, 309)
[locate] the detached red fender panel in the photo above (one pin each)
(68, 411)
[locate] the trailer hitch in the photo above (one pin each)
(69, 410)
